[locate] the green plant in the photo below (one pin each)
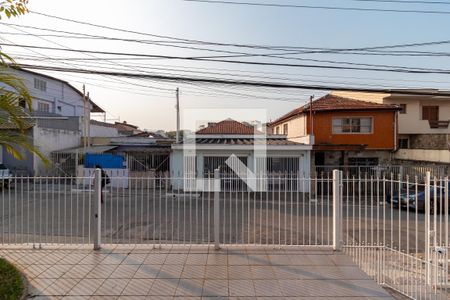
(11, 283)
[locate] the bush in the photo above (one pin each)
(11, 283)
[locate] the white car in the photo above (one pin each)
(5, 177)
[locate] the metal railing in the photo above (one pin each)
(396, 230)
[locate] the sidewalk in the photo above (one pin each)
(193, 272)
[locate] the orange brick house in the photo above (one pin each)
(343, 131)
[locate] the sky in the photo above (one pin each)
(151, 104)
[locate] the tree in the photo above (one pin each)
(13, 8)
(14, 96)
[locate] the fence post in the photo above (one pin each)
(216, 209)
(337, 216)
(97, 208)
(427, 227)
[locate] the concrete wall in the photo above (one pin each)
(411, 122)
(438, 156)
(103, 131)
(177, 161)
(429, 141)
(372, 97)
(49, 140)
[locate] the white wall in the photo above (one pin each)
(412, 123)
(439, 156)
(103, 131)
(57, 93)
(296, 127)
(49, 140)
(177, 161)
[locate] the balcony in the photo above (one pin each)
(438, 123)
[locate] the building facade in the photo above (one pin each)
(343, 131)
(423, 123)
(217, 142)
(59, 112)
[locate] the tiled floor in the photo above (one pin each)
(192, 273)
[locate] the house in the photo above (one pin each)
(423, 123)
(343, 131)
(56, 121)
(215, 143)
(144, 155)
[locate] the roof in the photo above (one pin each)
(244, 141)
(228, 126)
(95, 107)
(147, 149)
(124, 126)
(90, 149)
(336, 103)
(150, 134)
(104, 124)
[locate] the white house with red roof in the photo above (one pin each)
(215, 144)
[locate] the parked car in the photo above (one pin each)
(412, 199)
(5, 177)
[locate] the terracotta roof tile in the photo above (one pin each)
(335, 103)
(228, 127)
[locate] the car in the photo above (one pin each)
(415, 199)
(5, 177)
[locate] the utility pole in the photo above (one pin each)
(88, 120)
(84, 117)
(311, 120)
(177, 139)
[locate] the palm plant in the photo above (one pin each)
(13, 94)
(13, 114)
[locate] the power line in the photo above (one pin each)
(252, 46)
(190, 68)
(308, 50)
(404, 1)
(232, 82)
(437, 12)
(385, 68)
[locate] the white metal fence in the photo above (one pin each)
(395, 229)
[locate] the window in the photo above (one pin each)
(40, 84)
(277, 130)
(403, 143)
(285, 129)
(430, 113)
(44, 107)
(352, 125)
(402, 108)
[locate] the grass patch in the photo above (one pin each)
(11, 284)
